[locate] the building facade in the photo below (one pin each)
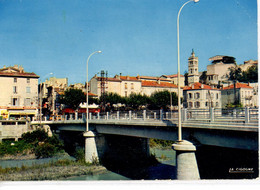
(193, 65)
(18, 92)
(218, 70)
(201, 96)
(126, 85)
(244, 94)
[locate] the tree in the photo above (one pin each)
(137, 100)
(250, 75)
(162, 99)
(235, 74)
(203, 77)
(72, 98)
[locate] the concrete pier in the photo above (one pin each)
(186, 163)
(91, 154)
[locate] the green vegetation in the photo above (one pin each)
(72, 98)
(13, 148)
(160, 143)
(36, 142)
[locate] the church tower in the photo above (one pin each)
(193, 75)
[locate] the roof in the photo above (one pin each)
(128, 78)
(16, 72)
(198, 86)
(172, 76)
(156, 84)
(238, 85)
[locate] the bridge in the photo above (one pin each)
(213, 132)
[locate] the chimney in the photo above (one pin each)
(202, 85)
(192, 86)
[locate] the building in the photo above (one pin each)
(244, 94)
(122, 85)
(51, 90)
(149, 87)
(217, 72)
(201, 96)
(193, 65)
(248, 64)
(126, 85)
(18, 92)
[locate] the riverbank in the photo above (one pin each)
(53, 171)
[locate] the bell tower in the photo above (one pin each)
(193, 64)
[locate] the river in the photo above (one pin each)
(163, 170)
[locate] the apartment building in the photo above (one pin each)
(201, 96)
(126, 85)
(245, 94)
(18, 92)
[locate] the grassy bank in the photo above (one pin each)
(52, 171)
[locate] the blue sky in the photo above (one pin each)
(135, 36)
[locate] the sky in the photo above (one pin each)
(136, 37)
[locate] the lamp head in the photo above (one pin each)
(196, 1)
(99, 51)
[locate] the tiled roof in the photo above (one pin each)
(156, 84)
(172, 76)
(128, 78)
(238, 85)
(197, 86)
(14, 72)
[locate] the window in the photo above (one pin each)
(125, 93)
(15, 89)
(197, 95)
(216, 104)
(28, 80)
(28, 89)
(217, 96)
(132, 86)
(15, 80)
(14, 101)
(197, 104)
(190, 104)
(27, 102)
(125, 85)
(190, 95)
(206, 104)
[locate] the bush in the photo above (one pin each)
(36, 136)
(45, 150)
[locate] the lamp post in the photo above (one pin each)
(179, 88)
(87, 127)
(41, 96)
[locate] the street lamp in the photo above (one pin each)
(87, 89)
(179, 88)
(41, 96)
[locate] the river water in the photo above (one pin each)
(164, 170)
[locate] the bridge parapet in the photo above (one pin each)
(243, 115)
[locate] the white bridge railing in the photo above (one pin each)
(244, 115)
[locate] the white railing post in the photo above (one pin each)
(161, 114)
(107, 115)
(184, 114)
(117, 115)
(144, 114)
(98, 116)
(154, 114)
(212, 114)
(90, 116)
(247, 115)
(130, 115)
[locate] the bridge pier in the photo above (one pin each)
(186, 164)
(91, 154)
